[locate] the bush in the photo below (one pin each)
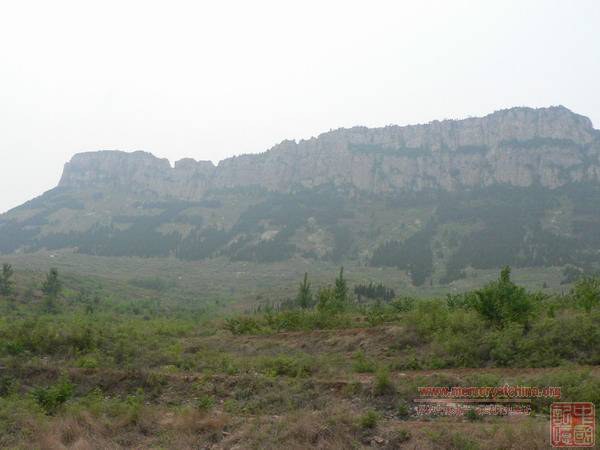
(376, 316)
(399, 437)
(87, 362)
(383, 384)
(7, 386)
(586, 293)
(369, 420)
(403, 410)
(53, 397)
(428, 317)
(229, 366)
(457, 343)
(472, 415)
(461, 301)
(362, 364)
(288, 366)
(503, 301)
(326, 300)
(242, 325)
(404, 304)
(205, 402)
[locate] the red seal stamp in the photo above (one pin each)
(572, 424)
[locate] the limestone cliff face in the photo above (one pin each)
(138, 171)
(520, 146)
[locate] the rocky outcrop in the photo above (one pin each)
(550, 147)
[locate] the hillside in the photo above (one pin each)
(102, 364)
(519, 186)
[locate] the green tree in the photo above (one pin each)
(586, 292)
(503, 301)
(6, 284)
(304, 298)
(341, 290)
(51, 288)
(326, 299)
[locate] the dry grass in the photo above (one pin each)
(332, 429)
(254, 408)
(152, 427)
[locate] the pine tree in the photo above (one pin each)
(341, 290)
(52, 286)
(6, 285)
(505, 274)
(304, 298)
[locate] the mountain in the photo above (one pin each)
(519, 186)
(519, 147)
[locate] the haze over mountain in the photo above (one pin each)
(519, 186)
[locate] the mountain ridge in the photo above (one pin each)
(519, 187)
(447, 155)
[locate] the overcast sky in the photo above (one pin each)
(209, 80)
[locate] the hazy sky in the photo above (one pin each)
(208, 80)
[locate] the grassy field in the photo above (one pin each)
(132, 362)
(246, 284)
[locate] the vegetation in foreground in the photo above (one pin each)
(81, 367)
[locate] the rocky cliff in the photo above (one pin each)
(522, 147)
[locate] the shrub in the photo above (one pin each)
(294, 320)
(288, 366)
(404, 304)
(353, 388)
(428, 317)
(229, 366)
(242, 325)
(376, 316)
(87, 362)
(7, 386)
(461, 301)
(13, 348)
(457, 344)
(503, 301)
(53, 397)
(383, 384)
(586, 292)
(205, 402)
(369, 420)
(134, 406)
(507, 346)
(472, 415)
(326, 300)
(362, 364)
(399, 437)
(403, 410)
